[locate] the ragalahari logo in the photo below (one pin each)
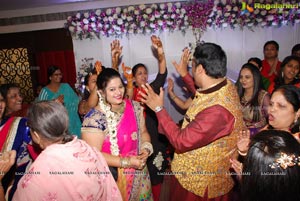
(246, 8)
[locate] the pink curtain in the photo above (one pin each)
(63, 59)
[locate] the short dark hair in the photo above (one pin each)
(4, 88)
(105, 76)
(136, 67)
(272, 42)
(257, 86)
(49, 119)
(296, 48)
(213, 59)
(262, 182)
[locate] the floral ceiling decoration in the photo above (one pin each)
(196, 15)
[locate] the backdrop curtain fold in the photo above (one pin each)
(63, 59)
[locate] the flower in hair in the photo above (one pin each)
(285, 161)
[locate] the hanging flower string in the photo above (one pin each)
(199, 15)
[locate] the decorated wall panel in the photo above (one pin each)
(15, 68)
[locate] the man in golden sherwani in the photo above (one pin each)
(207, 139)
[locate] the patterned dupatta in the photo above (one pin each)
(133, 184)
(8, 133)
(123, 139)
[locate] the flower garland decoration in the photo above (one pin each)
(132, 19)
(85, 68)
(112, 122)
(197, 15)
(263, 13)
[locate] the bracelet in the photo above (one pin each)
(148, 146)
(158, 108)
(241, 153)
(124, 162)
(173, 97)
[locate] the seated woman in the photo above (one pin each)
(14, 136)
(254, 99)
(67, 168)
(116, 127)
(14, 100)
(288, 74)
(271, 168)
(64, 94)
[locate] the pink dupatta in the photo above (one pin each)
(127, 133)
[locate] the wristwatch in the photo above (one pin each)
(158, 108)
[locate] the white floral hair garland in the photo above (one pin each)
(112, 122)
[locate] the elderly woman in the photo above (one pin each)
(67, 168)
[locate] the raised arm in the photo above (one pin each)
(182, 70)
(127, 72)
(162, 74)
(178, 101)
(116, 51)
(158, 47)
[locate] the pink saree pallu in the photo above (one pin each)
(133, 184)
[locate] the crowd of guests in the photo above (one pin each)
(117, 141)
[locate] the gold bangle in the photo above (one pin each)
(173, 97)
(124, 162)
(148, 146)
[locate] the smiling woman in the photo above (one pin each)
(13, 97)
(14, 135)
(117, 128)
(64, 94)
(288, 74)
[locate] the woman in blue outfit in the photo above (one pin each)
(14, 135)
(63, 93)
